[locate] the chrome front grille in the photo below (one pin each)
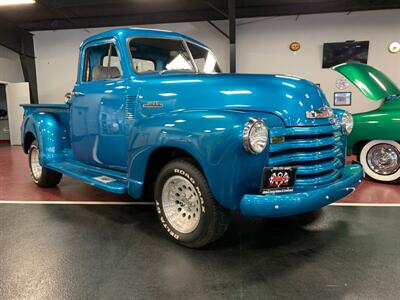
(317, 152)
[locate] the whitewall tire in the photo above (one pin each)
(381, 160)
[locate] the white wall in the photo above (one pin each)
(10, 66)
(57, 54)
(262, 47)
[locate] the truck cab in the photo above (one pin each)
(152, 115)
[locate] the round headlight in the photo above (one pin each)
(255, 136)
(347, 123)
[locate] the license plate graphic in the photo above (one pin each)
(278, 180)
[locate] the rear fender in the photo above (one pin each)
(50, 134)
(213, 139)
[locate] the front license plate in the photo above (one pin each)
(278, 179)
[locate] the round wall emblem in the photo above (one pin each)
(394, 47)
(294, 46)
(342, 83)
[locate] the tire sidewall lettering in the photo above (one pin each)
(186, 175)
(165, 224)
(173, 233)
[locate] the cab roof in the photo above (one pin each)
(124, 33)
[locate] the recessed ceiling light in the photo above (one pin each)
(16, 2)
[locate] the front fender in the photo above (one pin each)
(374, 125)
(50, 134)
(213, 138)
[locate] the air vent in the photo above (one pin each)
(130, 108)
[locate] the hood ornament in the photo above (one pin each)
(322, 113)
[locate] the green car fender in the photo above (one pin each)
(380, 124)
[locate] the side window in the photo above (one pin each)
(143, 65)
(101, 63)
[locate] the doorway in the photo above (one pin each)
(4, 124)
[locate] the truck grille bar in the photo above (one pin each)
(317, 152)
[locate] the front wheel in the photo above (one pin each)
(381, 160)
(42, 176)
(185, 205)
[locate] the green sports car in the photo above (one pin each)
(375, 138)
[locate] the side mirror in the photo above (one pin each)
(68, 97)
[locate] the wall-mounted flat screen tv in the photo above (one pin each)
(338, 53)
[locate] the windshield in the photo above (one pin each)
(204, 59)
(160, 55)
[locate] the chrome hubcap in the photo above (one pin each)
(35, 164)
(383, 159)
(181, 204)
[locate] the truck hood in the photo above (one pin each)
(288, 97)
(374, 84)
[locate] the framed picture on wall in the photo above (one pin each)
(342, 98)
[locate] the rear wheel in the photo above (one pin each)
(381, 160)
(185, 206)
(42, 176)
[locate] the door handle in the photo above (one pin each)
(68, 98)
(77, 94)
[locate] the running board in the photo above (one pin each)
(110, 181)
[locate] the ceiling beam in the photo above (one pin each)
(218, 29)
(21, 42)
(314, 8)
(16, 39)
(224, 14)
(104, 21)
(232, 35)
(68, 20)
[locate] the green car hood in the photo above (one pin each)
(371, 82)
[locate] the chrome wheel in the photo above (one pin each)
(35, 164)
(181, 204)
(383, 159)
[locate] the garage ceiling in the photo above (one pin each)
(63, 14)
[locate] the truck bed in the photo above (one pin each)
(30, 108)
(51, 116)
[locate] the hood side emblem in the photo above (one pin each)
(153, 104)
(322, 113)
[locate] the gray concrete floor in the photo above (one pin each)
(120, 252)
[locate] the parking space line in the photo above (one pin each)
(75, 202)
(367, 204)
(152, 203)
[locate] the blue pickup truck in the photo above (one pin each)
(152, 115)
